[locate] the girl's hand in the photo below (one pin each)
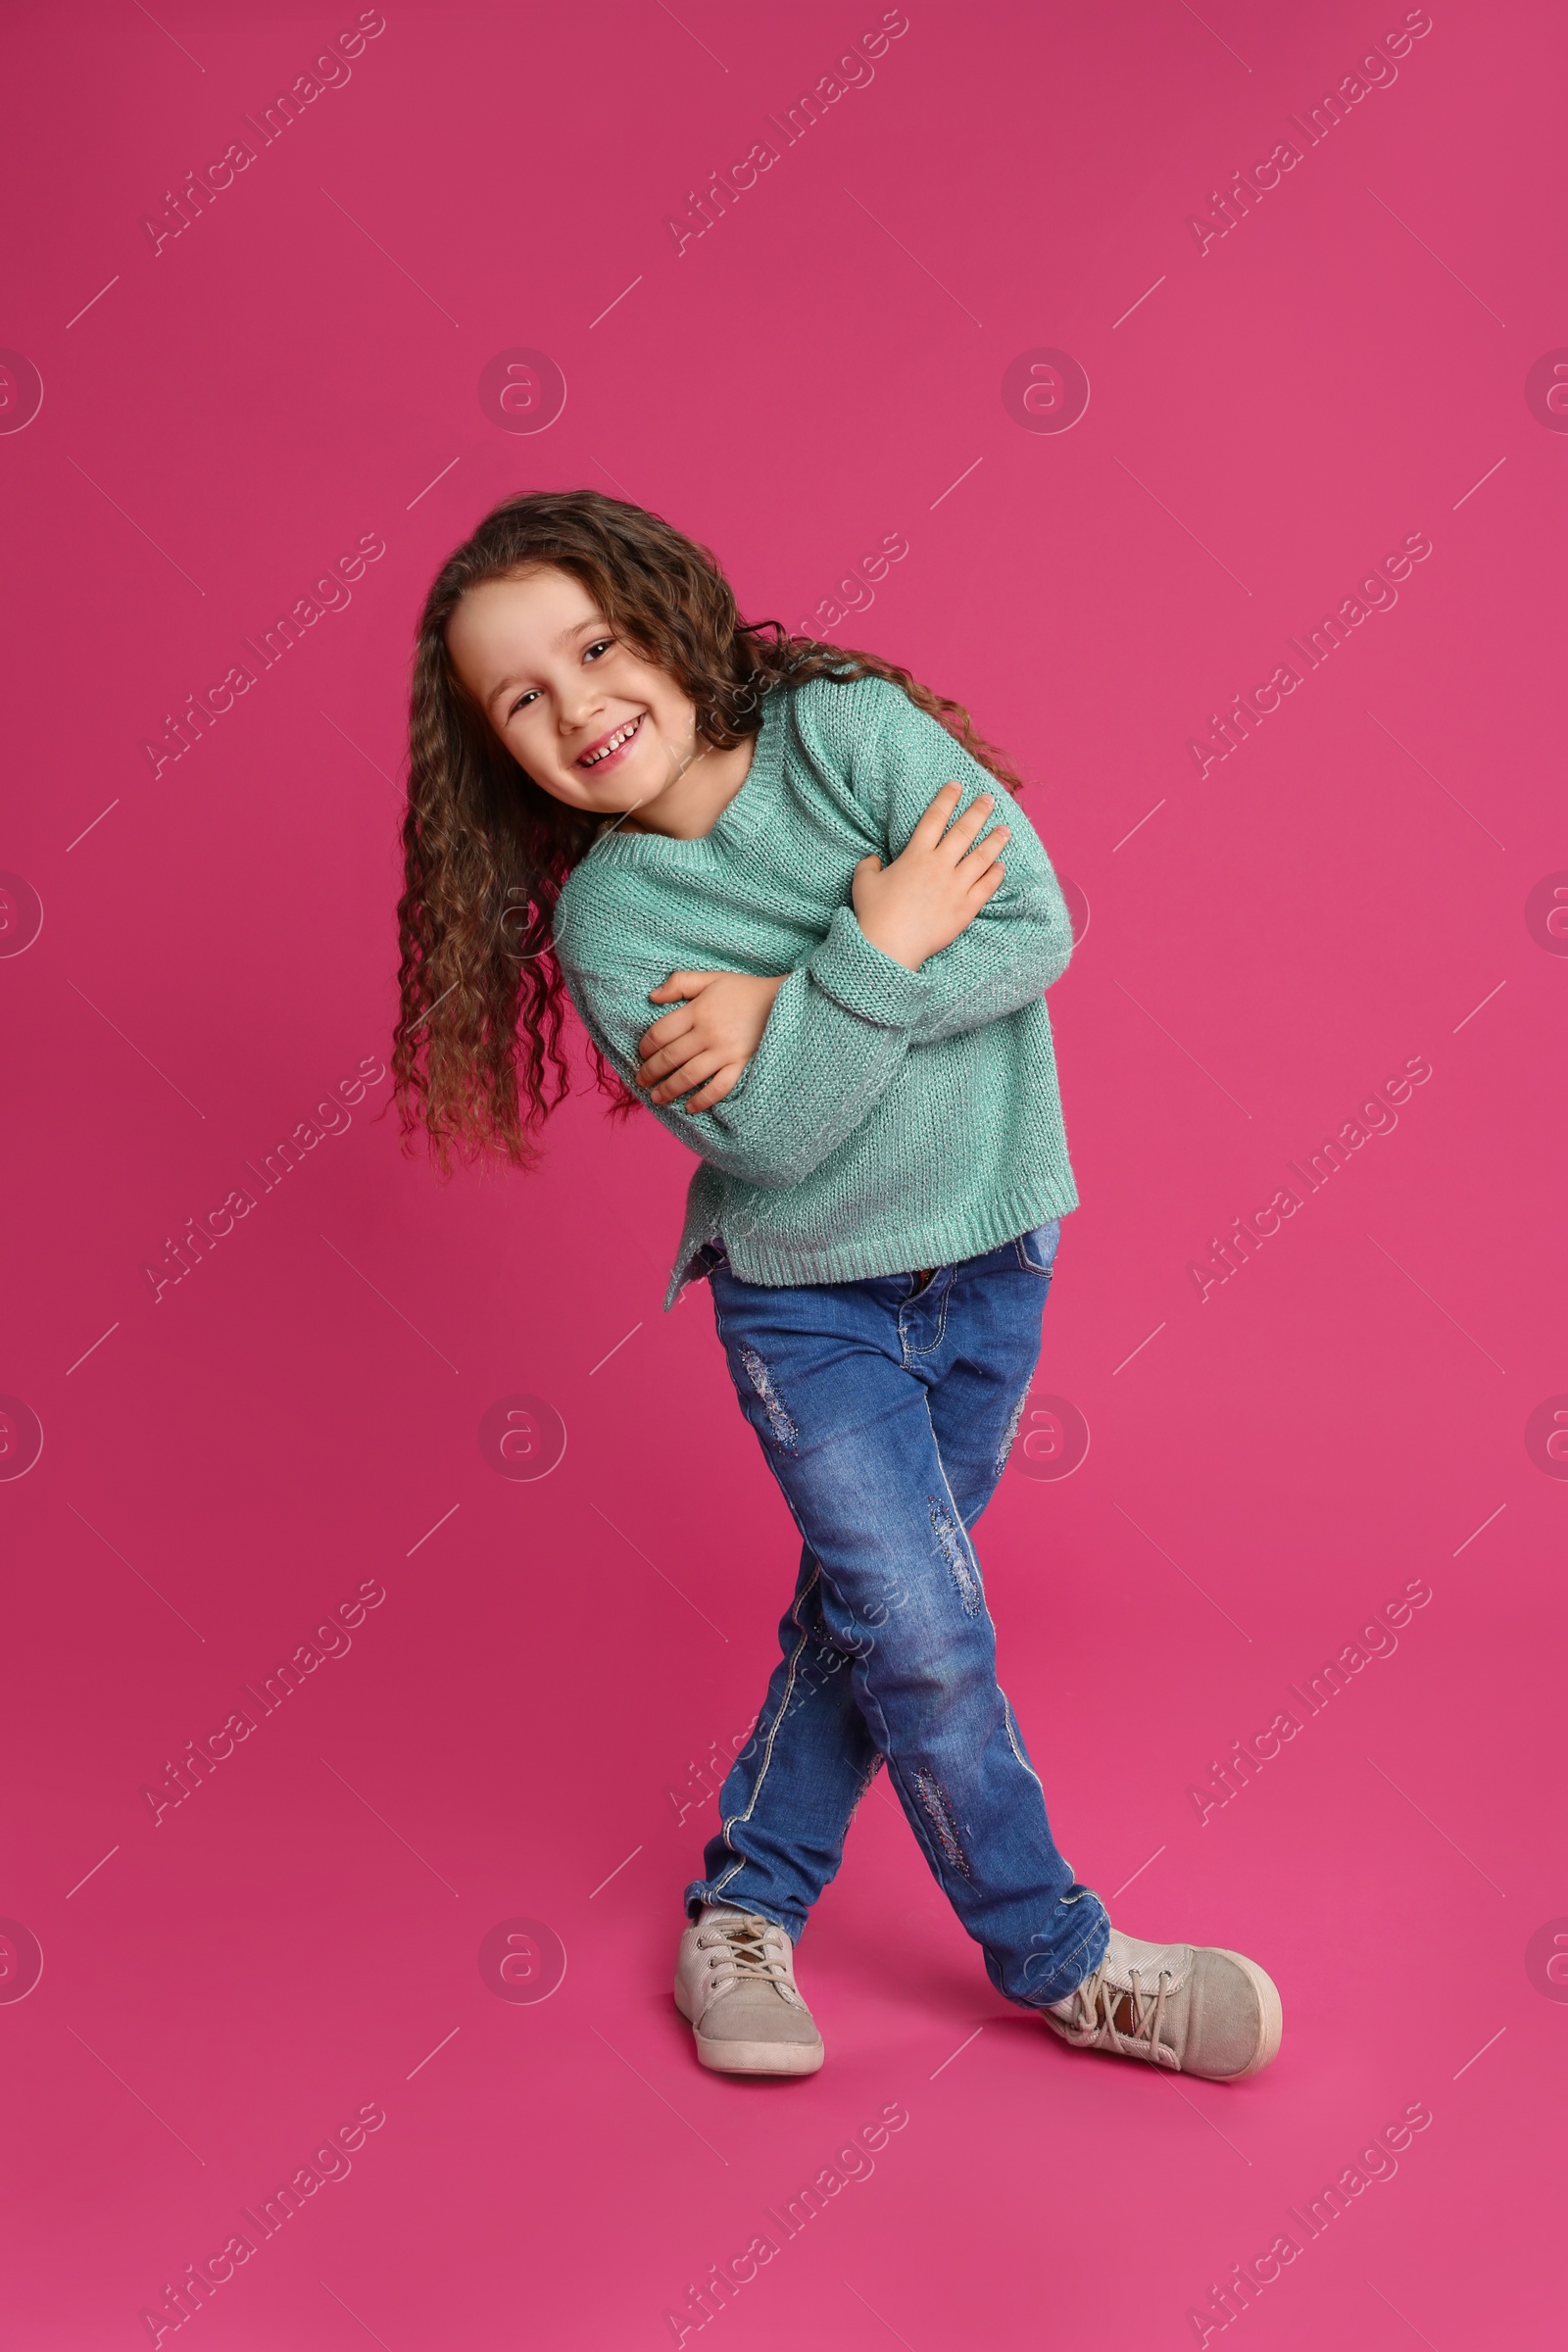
(936, 886)
(707, 1042)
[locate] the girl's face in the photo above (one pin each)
(588, 718)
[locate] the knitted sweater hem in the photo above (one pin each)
(863, 1256)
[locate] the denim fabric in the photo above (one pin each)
(886, 1409)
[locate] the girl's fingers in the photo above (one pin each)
(665, 1049)
(956, 838)
(668, 1056)
(986, 885)
(673, 1025)
(665, 1033)
(717, 1087)
(932, 823)
(981, 852)
(968, 827)
(690, 1074)
(680, 984)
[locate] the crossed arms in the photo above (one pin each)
(776, 1071)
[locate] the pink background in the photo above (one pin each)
(556, 1655)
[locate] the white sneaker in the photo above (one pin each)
(1195, 2009)
(735, 1985)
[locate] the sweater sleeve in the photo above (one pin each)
(1020, 941)
(835, 1040)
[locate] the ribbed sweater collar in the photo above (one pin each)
(738, 823)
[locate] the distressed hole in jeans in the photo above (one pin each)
(1008, 1434)
(934, 1798)
(956, 1551)
(761, 1380)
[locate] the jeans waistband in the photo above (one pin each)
(712, 1253)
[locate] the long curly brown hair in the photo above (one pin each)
(478, 1061)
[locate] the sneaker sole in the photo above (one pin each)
(759, 2057)
(1271, 2026)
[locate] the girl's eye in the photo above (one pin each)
(599, 645)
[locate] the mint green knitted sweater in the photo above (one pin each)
(889, 1119)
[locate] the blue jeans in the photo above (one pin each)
(886, 1409)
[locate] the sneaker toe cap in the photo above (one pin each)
(1235, 2018)
(740, 2017)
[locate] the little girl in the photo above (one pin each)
(766, 871)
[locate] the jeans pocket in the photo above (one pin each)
(1037, 1250)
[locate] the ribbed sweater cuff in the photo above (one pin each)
(860, 977)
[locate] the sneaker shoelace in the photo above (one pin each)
(1092, 2021)
(748, 1950)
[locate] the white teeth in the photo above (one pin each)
(613, 745)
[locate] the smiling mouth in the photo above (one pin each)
(612, 743)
